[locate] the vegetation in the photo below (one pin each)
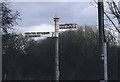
(115, 12)
(8, 17)
(28, 59)
(79, 59)
(111, 13)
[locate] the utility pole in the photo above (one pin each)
(101, 27)
(57, 72)
(1, 53)
(102, 41)
(105, 63)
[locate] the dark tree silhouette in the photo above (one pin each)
(79, 59)
(7, 17)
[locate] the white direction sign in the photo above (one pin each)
(68, 26)
(36, 34)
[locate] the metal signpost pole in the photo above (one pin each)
(56, 20)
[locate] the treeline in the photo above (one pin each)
(29, 59)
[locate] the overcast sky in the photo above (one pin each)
(38, 16)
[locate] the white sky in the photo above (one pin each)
(54, 0)
(38, 16)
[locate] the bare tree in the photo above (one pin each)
(114, 11)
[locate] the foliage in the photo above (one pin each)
(13, 46)
(7, 17)
(79, 59)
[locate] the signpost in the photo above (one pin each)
(68, 26)
(56, 36)
(36, 34)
